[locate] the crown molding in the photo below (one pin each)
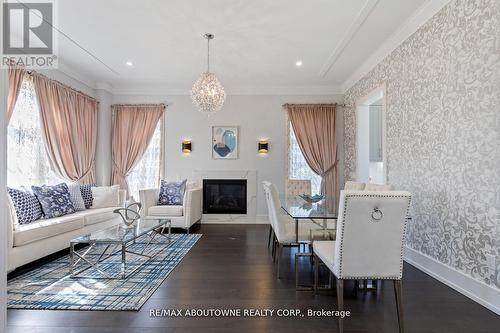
(104, 86)
(361, 17)
(250, 90)
(69, 72)
(409, 27)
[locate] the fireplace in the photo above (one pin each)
(224, 196)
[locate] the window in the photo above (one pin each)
(27, 161)
(146, 173)
(297, 165)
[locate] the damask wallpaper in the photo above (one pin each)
(443, 133)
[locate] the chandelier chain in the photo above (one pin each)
(208, 55)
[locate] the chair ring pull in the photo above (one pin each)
(377, 214)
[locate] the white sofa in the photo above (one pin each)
(29, 242)
(182, 216)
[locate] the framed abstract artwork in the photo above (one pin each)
(225, 142)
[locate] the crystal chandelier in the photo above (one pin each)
(207, 92)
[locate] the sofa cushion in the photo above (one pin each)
(26, 205)
(98, 215)
(172, 192)
(54, 199)
(27, 233)
(166, 210)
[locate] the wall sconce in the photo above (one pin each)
(263, 147)
(186, 146)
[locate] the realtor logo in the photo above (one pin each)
(28, 37)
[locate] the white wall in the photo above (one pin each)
(103, 149)
(257, 116)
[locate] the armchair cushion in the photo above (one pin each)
(166, 210)
(172, 192)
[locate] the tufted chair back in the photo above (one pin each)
(370, 233)
(295, 187)
(354, 186)
(378, 187)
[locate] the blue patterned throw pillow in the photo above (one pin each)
(55, 200)
(172, 193)
(27, 206)
(86, 192)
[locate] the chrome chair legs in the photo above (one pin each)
(340, 302)
(399, 304)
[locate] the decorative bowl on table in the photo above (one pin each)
(312, 198)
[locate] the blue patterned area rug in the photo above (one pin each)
(50, 287)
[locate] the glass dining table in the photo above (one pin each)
(298, 209)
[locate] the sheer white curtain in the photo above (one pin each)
(27, 161)
(297, 165)
(146, 174)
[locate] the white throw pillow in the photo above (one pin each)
(105, 196)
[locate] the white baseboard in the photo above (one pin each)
(487, 296)
(234, 219)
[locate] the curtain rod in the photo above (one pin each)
(33, 73)
(286, 105)
(164, 105)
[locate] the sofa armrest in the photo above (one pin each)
(192, 206)
(12, 221)
(148, 198)
(122, 195)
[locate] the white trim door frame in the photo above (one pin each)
(363, 133)
(3, 195)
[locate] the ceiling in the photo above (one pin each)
(256, 42)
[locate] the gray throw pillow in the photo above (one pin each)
(76, 196)
(172, 193)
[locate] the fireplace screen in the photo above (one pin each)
(224, 196)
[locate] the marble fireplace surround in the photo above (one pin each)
(250, 176)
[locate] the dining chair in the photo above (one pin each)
(296, 187)
(354, 186)
(369, 243)
(282, 225)
(378, 187)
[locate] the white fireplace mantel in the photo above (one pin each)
(250, 176)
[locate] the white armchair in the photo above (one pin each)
(182, 216)
(369, 243)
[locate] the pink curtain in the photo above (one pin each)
(69, 127)
(16, 76)
(314, 127)
(133, 128)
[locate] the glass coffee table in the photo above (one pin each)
(108, 242)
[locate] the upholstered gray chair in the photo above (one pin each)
(296, 187)
(369, 243)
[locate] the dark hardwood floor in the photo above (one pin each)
(230, 267)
